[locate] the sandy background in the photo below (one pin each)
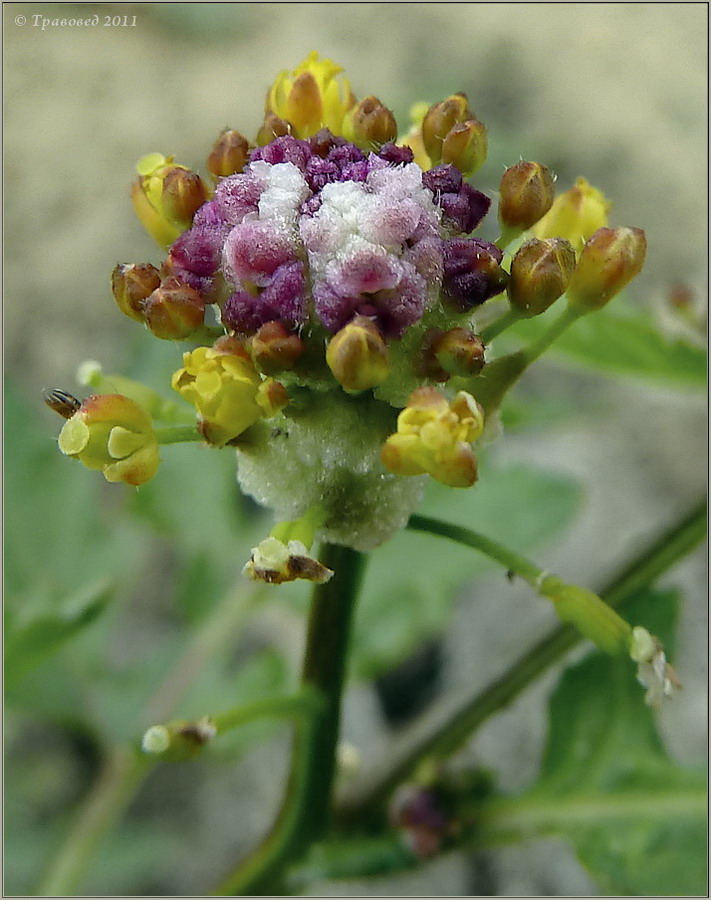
(617, 92)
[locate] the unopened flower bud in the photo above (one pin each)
(179, 740)
(184, 193)
(575, 215)
(271, 128)
(466, 146)
(540, 273)
(459, 352)
(275, 348)
(369, 124)
(358, 356)
(472, 272)
(439, 121)
(609, 261)
(229, 155)
(526, 193)
(174, 310)
(131, 285)
(311, 97)
(425, 816)
(165, 197)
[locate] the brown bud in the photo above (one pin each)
(183, 194)
(439, 121)
(610, 260)
(275, 348)
(272, 127)
(369, 124)
(358, 356)
(174, 310)
(466, 146)
(526, 193)
(460, 352)
(229, 155)
(131, 284)
(540, 273)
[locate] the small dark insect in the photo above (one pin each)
(279, 432)
(61, 402)
(510, 574)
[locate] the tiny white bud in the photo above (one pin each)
(156, 739)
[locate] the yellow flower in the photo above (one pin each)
(112, 433)
(165, 197)
(311, 97)
(226, 389)
(435, 437)
(575, 215)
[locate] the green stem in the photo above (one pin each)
(499, 376)
(443, 732)
(595, 619)
(500, 554)
(296, 706)
(509, 318)
(177, 434)
(122, 772)
(304, 814)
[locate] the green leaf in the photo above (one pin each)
(29, 645)
(623, 341)
(410, 581)
(635, 818)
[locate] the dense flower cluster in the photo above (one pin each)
(329, 275)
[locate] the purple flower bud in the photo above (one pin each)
(200, 250)
(320, 172)
(284, 149)
(366, 272)
(462, 212)
(237, 196)
(324, 141)
(396, 155)
(355, 171)
(253, 251)
(282, 300)
(209, 214)
(442, 180)
(472, 272)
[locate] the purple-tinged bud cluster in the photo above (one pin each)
(472, 272)
(363, 249)
(317, 228)
(462, 206)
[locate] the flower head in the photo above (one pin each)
(226, 389)
(311, 97)
(112, 433)
(435, 436)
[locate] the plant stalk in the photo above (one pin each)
(305, 812)
(443, 731)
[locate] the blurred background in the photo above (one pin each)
(614, 92)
